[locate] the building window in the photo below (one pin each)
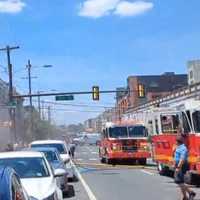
(191, 74)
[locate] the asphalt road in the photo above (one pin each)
(120, 182)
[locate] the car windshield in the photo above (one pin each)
(27, 167)
(118, 132)
(60, 147)
(137, 131)
(51, 156)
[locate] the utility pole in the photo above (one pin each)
(39, 105)
(29, 82)
(8, 49)
(28, 66)
(49, 114)
(43, 115)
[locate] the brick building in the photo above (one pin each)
(155, 86)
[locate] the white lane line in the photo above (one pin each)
(85, 185)
(147, 172)
(93, 159)
(94, 152)
(79, 159)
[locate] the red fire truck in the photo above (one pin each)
(124, 141)
(164, 125)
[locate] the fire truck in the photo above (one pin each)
(124, 141)
(164, 123)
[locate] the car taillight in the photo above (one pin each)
(19, 196)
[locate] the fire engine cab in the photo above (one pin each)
(124, 141)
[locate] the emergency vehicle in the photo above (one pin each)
(124, 141)
(164, 124)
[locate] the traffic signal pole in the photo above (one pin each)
(70, 93)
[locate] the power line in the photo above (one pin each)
(69, 110)
(75, 105)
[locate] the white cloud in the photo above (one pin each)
(11, 6)
(97, 8)
(126, 8)
(100, 8)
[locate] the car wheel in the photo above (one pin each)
(143, 161)
(163, 170)
(102, 160)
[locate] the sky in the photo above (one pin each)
(95, 42)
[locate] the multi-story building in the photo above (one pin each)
(154, 86)
(193, 72)
(96, 124)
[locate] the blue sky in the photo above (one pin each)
(97, 42)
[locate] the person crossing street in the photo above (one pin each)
(181, 167)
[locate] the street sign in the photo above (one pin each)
(65, 98)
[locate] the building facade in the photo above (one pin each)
(155, 86)
(193, 72)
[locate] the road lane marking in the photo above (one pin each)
(147, 172)
(79, 159)
(106, 166)
(89, 148)
(94, 152)
(93, 159)
(85, 185)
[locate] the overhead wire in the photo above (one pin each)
(74, 105)
(69, 110)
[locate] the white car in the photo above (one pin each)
(35, 173)
(62, 149)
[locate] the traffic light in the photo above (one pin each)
(141, 91)
(95, 93)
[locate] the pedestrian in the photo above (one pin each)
(181, 167)
(9, 147)
(72, 150)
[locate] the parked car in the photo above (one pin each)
(10, 185)
(56, 162)
(79, 140)
(63, 151)
(35, 173)
(93, 138)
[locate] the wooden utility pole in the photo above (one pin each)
(8, 49)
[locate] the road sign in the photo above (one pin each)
(65, 98)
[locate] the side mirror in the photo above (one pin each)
(59, 172)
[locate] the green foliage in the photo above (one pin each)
(38, 129)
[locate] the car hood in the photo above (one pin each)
(40, 188)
